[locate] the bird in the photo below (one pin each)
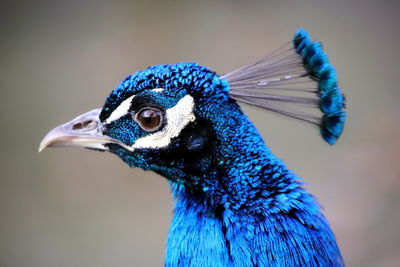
(235, 202)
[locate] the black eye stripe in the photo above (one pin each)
(139, 103)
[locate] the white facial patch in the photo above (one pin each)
(177, 117)
(158, 90)
(121, 110)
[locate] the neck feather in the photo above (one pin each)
(251, 210)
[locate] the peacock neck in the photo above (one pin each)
(294, 233)
(249, 211)
(242, 173)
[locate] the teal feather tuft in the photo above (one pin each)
(332, 126)
(300, 40)
(328, 79)
(300, 35)
(331, 101)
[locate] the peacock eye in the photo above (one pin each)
(149, 119)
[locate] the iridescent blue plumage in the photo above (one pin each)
(236, 204)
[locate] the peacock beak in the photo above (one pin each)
(83, 131)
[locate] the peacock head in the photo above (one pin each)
(182, 120)
(158, 119)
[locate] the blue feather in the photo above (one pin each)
(332, 126)
(332, 101)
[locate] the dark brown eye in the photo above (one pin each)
(149, 119)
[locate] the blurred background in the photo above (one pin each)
(74, 207)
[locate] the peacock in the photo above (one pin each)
(235, 203)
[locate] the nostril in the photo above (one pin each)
(85, 125)
(77, 126)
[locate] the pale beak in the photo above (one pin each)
(83, 131)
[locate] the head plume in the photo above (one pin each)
(298, 81)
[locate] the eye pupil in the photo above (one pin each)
(149, 119)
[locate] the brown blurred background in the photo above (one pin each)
(74, 207)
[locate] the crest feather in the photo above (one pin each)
(296, 80)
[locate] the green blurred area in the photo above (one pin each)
(74, 207)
